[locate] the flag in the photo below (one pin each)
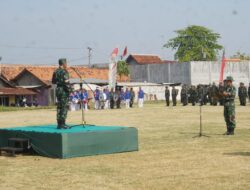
(114, 53)
(125, 52)
(223, 64)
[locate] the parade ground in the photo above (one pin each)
(168, 157)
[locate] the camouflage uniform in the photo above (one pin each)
(174, 94)
(167, 95)
(229, 108)
(249, 92)
(242, 93)
(221, 89)
(184, 95)
(193, 95)
(61, 79)
(214, 94)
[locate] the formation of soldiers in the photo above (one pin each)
(204, 94)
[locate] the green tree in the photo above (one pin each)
(195, 43)
(122, 68)
(241, 56)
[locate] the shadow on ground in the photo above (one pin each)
(238, 154)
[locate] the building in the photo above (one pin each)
(11, 95)
(38, 79)
(150, 68)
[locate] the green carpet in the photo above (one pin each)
(48, 141)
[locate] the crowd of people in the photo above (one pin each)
(106, 99)
(204, 94)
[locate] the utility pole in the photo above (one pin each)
(89, 54)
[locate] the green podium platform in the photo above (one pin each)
(75, 142)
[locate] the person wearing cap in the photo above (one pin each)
(242, 93)
(63, 90)
(229, 105)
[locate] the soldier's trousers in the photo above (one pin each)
(167, 101)
(62, 108)
(174, 100)
(242, 101)
(184, 100)
(229, 114)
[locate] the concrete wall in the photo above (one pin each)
(208, 72)
(161, 73)
(190, 73)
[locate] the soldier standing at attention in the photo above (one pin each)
(174, 94)
(242, 93)
(221, 89)
(249, 92)
(193, 95)
(61, 79)
(167, 95)
(229, 105)
(214, 94)
(184, 96)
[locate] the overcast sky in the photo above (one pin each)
(45, 27)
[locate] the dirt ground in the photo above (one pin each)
(169, 156)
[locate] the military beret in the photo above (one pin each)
(62, 61)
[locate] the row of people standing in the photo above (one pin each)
(105, 99)
(79, 100)
(204, 94)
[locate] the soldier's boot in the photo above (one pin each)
(227, 132)
(65, 126)
(59, 124)
(232, 131)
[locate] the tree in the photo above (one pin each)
(122, 68)
(195, 43)
(241, 56)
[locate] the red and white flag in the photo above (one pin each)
(125, 52)
(114, 53)
(223, 64)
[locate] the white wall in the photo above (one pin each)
(208, 72)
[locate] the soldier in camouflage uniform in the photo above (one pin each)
(193, 95)
(249, 92)
(229, 105)
(184, 95)
(214, 94)
(174, 94)
(221, 90)
(61, 79)
(242, 93)
(167, 95)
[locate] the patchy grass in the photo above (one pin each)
(7, 109)
(169, 156)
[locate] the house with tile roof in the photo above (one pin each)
(11, 95)
(38, 79)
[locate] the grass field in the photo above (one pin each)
(169, 156)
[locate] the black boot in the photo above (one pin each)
(64, 125)
(232, 131)
(59, 124)
(227, 132)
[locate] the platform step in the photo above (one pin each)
(11, 150)
(18, 139)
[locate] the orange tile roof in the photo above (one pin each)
(45, 73)
(16, 91)
(145, 59)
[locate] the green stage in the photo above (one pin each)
(78, 141)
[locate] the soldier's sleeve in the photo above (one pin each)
(232, 93)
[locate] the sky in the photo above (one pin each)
(42, 31)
